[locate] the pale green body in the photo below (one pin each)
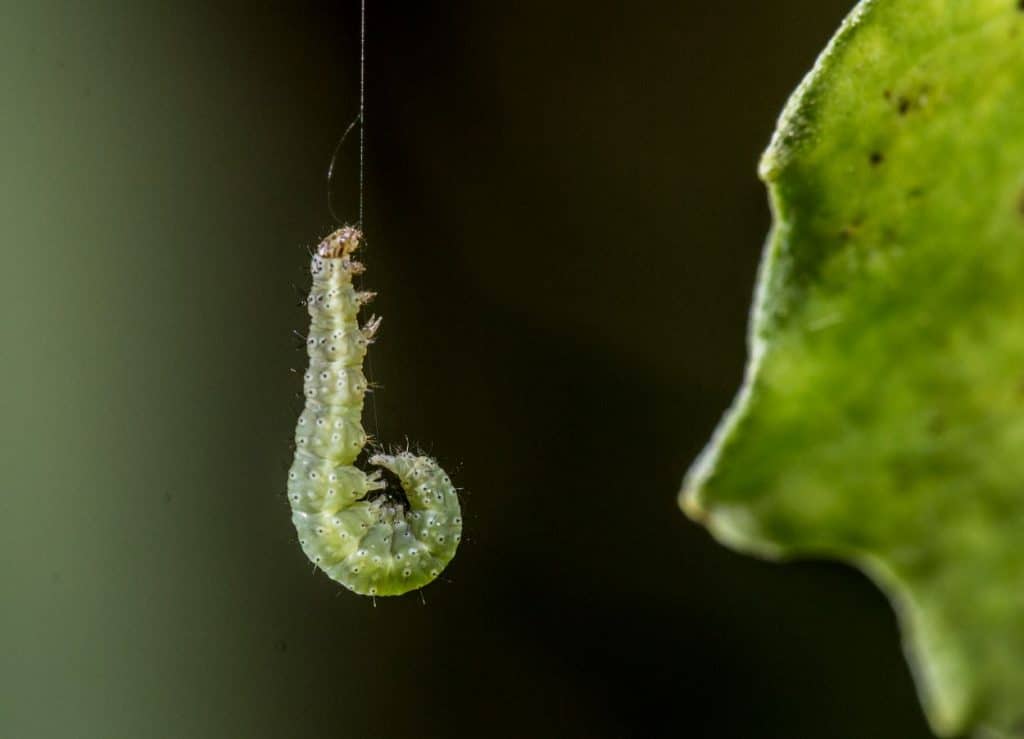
(882, 418)
(376, 545)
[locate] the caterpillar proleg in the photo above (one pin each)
(364, 532)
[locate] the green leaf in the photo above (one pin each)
(882, 417)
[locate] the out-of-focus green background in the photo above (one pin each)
(564, 225)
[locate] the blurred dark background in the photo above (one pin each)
(563, 223)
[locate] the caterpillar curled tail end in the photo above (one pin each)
(367, 532)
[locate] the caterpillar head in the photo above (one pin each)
(341, 243)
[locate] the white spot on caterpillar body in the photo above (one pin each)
(372, 539)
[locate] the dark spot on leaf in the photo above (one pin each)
(888, 93)
(1020, 4)
(876, 158)
(916, 193)
(850, 230)
(904, 105)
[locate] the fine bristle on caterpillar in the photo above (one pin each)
(364, 533)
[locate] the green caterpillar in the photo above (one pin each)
(371, 536)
